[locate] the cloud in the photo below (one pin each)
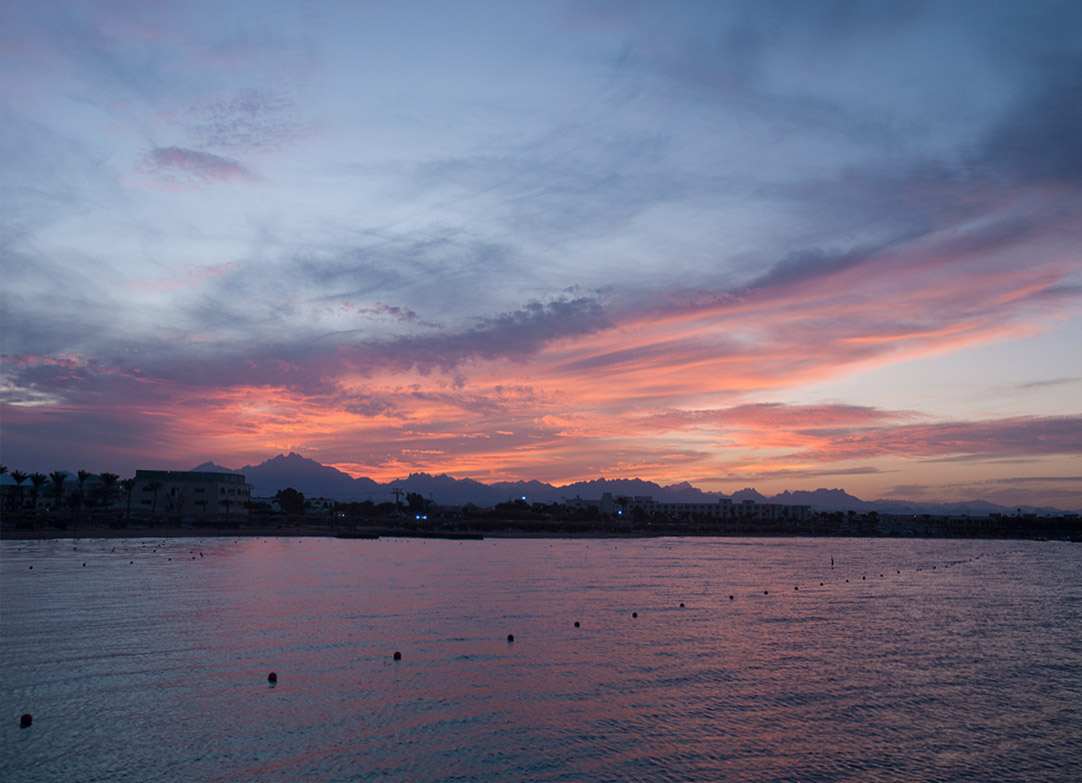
(305, 362)
(615, 264)
(178, 167)
(1036, 480)
(516, 335)
(125, 438)
(837, 432)
(909, 302)
(818, 314)
(367, 405)
(811, 263)
(188, 278)
(577, 180)
(773, 416)
(382, 309)
(248, 120)
(760, 473)
(1037, 140)
(1042, 384)
(1016, 436)
(1061, 492)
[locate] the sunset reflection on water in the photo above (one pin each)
(937, 659)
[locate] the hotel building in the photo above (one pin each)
(192, 493)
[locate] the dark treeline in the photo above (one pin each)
(373, 519)
(518, 517)
(36, 503)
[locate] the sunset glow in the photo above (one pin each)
(717, 243)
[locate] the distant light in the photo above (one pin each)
(523, 497)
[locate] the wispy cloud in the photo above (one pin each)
(1016, 436)
(1044, 384)
(773, 416)
(246, 121)
(179, 167)
(517, 335)
(189, 277)
(795, 475)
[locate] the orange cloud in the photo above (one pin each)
(670, 390)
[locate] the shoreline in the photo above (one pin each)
(174, 532)
(54, 534)
(376, 533)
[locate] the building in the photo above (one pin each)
(191, 493)
(721, 509)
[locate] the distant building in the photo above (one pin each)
(723, 508)
(192, 493)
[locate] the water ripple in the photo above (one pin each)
(937, 660)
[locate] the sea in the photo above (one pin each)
(663, 659)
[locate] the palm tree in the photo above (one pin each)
(19, 477)
(108, 488)
(154, 486)
(128, 485)
(36, 480)
(82, 476)
(74, 501)
(58, 477)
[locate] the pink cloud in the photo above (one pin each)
(178, 167)
(773, 415)
(188, 277)
(575, 389)
(1008, 437)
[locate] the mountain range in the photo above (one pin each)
(317, 480)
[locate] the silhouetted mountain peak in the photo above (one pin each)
(306, 475)
(315, 479)
(295, 462)
(823, 500)
(211, 467)
(292, 459)
(748, 494)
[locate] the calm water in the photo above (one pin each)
(148, 665)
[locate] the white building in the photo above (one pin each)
(191, 493)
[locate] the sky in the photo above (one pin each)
(781, 245)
